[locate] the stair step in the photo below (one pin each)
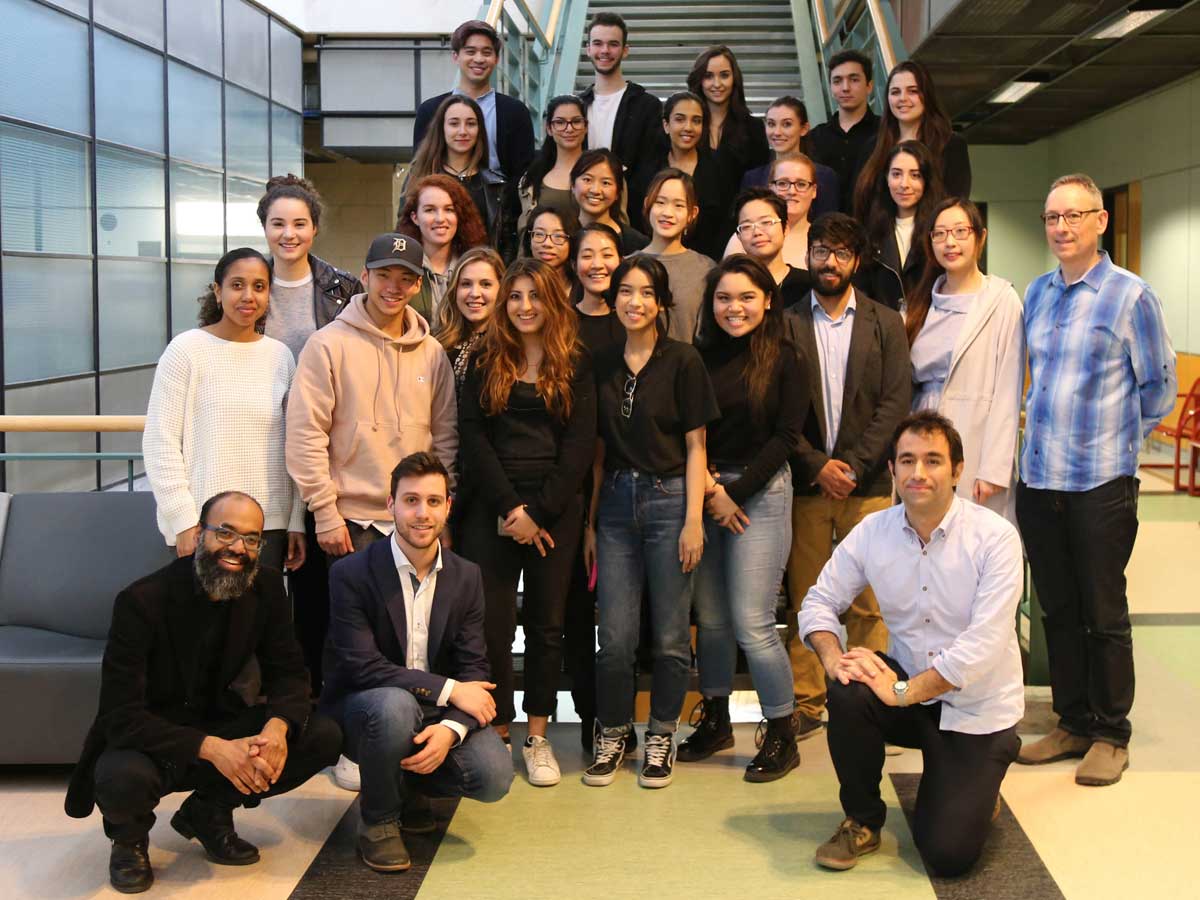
(725, 11)
(675, 36)
(784, 48)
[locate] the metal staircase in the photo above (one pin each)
(665, 36)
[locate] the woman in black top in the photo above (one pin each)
(598, 183)
(646, 523)
(597, 253)
(762, 391)
(528, 427)
(737, 137)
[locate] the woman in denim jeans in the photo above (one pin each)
(646, 526)
(761, 389)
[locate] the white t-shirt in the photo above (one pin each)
(904, 233)
(602, 116)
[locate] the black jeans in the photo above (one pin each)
(961, 775)
(129, 783)
(579, 640)
(546, 582)
(1078, 544)
(309, 588)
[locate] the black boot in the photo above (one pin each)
(129, 867)
(713, 731)
(778, 755)
(213, 826)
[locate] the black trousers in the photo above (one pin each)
(579, 640)
(959, 784)
(129, 783)
(309, 588)
(1078, 544)
(546, 583)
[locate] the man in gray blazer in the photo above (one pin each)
(857, 359)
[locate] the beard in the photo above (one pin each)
(836, 289)
(219, 583)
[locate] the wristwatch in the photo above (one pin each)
(900, 689)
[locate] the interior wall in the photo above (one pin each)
(359, 203)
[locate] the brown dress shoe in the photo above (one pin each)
(1057, 745)
(849, 842)
(1102, 765)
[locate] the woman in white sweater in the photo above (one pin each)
(215, 421)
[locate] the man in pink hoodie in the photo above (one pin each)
(370, 388)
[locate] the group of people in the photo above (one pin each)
(675, 358)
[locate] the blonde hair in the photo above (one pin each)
(450, 327)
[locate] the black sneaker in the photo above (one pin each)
(710, 717)
(607, 755)
(658, 762)
(778, 755)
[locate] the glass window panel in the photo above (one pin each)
(45, 192)
(246, 130)
(47, 318)
(246, 46)
(129, 93)
(130, 204)
(197, 213)
(79, 7)
(438, 72)
(241, 207)
(76, 397)
(286, 66)
(287, 152)
(195, 116)
(370, 79)
(189, 282)
(123, 394)
(49, 87)
(133, 312)
(194, 32)
(141, 19)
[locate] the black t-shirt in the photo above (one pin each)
(760, 443)
(599, 334)
(671, 396)
(795, 285)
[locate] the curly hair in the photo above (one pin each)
(469, 232)
(450, 327)
(295, 188)
(210, 307)
(502, 359)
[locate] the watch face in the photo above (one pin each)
(900, 686)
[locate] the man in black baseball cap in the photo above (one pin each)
(394, 249)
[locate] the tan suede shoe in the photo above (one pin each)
(1102, 765)
(1057, 745)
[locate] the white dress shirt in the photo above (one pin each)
(418, 605)
(949, 605)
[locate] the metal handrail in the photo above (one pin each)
(869, 25)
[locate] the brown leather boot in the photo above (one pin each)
(1102, 765)
(1058, 744)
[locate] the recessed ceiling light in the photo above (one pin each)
(1018, 90)
(1131, 21)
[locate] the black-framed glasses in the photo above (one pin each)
(820, 253)
(228, 537)
(958, 232)
(574, 124)
(759, 225)
(557, 238)
(1073, 217)
(783, 185)
(627, 401)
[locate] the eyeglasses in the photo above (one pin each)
(568, 124)
(760, 225)
(820, 253)
(960, 233)
(783, 185)
(557, 238)
(627, 402)
(1073, 217)
(229, 537)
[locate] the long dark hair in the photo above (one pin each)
(737, 125)
(880, 214)
(766, 341)
(917, 301)
(210, 307)
(547, 156)
(934, 132)
(659, 280)
(431, 153)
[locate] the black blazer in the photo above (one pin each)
(884, 279)
(514, 138)
(877, 396)
(368, 630)
(149, 696)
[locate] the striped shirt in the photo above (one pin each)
(1102, 375)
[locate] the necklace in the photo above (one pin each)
(461, 174)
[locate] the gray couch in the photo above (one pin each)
(63, 559)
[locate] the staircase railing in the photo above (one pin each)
(869, 26)
(537, 56)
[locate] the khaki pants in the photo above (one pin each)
(816, 523)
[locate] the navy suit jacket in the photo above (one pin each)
(368, 629)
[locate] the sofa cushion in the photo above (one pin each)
(67, 555)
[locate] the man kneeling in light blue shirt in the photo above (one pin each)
(948, 576)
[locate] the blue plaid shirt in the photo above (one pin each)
(1102, 375)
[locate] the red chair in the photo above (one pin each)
(1185, 430)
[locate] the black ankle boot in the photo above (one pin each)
(129, 866)
(212, 826)
(713, 731)
(778, 755)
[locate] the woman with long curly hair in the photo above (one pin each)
(439, 213)
(528, 430)
(737, 138)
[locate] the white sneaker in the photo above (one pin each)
(540, 762)
(345, 774)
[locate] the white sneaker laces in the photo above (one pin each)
(658, 749)
(608, 746)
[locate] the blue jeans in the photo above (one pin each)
(736, 589)
(380, 724)
(637, 542)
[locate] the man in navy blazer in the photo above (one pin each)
(406, 670)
